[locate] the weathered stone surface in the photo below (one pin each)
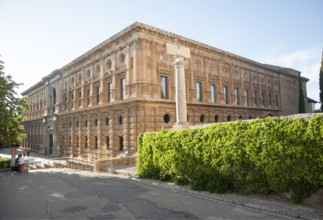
(110, 94)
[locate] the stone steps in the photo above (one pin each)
(78, 165)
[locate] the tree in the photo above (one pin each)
(321, 83)
(12, 110)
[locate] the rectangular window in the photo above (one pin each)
(120, 143)
(256, 98)
(263, 98)
(225, 95)
(109, 95)
(80, 98)
(246, 98)
(97, 95)
(122, 88)
(85, 143)
(269, 99)
(236, 96)
(163, 87)
(198, 91)
(213, 93)
(72, 101)
(96, 140)
(107, 141)
(277, 101)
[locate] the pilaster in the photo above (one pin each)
(128, 60)
(111, 133)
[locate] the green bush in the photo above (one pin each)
(264, 156)
(4, 163)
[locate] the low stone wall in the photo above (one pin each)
(101, 165)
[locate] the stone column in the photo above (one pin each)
(180, 94)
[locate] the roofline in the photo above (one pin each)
(32, 87)
(102, 44)
(312, 100)
(137, 25)
(43, 80)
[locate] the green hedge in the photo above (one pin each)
(4, 162)
(264, 156)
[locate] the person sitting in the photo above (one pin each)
(19, 162)
(15, 167)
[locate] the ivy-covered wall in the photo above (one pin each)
(264, 155)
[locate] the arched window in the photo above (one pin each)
(88, 74)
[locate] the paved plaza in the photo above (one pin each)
(72, 194)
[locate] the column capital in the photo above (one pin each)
(179, 60)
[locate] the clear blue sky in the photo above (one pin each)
(39, 36)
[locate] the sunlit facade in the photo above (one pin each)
(96, 105)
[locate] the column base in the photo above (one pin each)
(180, 126)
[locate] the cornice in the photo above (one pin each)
(183, 40)
(39, 84)
(140, 27)
(102, 45)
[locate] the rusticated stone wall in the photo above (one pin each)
(96, 105)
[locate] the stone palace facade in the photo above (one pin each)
(96, 105)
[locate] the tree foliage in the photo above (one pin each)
(321, 83)
(12, 109)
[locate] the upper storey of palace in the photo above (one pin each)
(130, 64)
